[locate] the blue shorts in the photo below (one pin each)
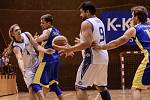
(47, 74)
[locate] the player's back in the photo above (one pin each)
(143, 36)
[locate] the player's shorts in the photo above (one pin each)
(47, 74)
(94, 74)
(30, 72)
(142, 76)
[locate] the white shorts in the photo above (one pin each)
(95, 74)
(30, 72)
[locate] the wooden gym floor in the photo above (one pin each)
(93, 95)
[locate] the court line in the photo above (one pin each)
(64, 95)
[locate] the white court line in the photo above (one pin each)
(64, 95)
(96, 98)
(67, 94)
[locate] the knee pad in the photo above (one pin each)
(36, 87)
(56, 89)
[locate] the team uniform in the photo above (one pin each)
(142, 77)
(30, 58)
(93, 69)
(47, 72)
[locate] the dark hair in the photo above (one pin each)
(47, 18)
(88, 5)
(141, 12)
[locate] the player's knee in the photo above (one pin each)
(56, 89)
(101, 88)
(36, 87)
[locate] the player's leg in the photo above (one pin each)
(38, 78)
(45, 91)
(105, 95)
(81, 94)
(137, 84)
(32, 95)
(28, 78)
(100, 80)
(136, 94)
(28, 81)
(83, 79)
(54, 87)
(38, 90)
(54, 69)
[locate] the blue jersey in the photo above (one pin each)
(47, 72)
(142, 76)
(55, 56)
(143, 36)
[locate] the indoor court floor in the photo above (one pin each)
(93, 95)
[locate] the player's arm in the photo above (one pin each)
(86, 31)
(19, 57)
(39, 47)
(131, 32)
(43, 36)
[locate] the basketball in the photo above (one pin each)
(59, 41)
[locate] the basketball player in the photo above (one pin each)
(22, 46)
(141, 33)
(93, 69)
(47, 73)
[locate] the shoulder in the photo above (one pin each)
(86, 24)
(131, 32)
(47, 31)
(28, 34)
(16, 49)
(54, 31)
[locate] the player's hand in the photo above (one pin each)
(96, 46)
(36, 35)
(69, 54)
(77, 40)
(131, 23)
(65, 51)
(49, 51)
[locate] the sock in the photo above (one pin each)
(105, 95)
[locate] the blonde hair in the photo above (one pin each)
(11, 29)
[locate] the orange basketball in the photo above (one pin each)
(60, 41)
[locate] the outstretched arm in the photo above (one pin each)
(86, 31)
(131, 32)
(39, 47)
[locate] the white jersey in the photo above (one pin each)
(95, 56)
(27, 50)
